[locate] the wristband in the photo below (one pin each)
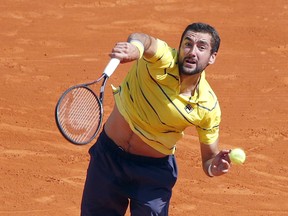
(209, 171)
(139, 46)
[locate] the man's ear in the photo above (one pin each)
(212, 58)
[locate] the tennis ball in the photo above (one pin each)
(237, 156)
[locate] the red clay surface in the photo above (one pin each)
(47, 46)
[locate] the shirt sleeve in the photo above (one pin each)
(164, 56)
(208, 130)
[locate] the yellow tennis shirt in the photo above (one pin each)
(149, 99)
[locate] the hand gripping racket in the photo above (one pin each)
(79, 111)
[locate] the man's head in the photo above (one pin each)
(205, 28)
(198, 48)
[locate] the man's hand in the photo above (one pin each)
(215, 162)
(221, 163)
(125, 52)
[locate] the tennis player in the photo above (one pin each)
(164, 92)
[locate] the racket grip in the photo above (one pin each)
(111, 67)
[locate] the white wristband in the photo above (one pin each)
(139, 46)
(209, 171)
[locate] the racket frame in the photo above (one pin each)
(99, 101)
(108, 71)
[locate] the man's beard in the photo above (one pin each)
(188, 71)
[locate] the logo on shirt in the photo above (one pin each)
(188, 108)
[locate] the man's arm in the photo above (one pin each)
(137, 44)
(218, 160)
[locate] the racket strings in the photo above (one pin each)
(81, 110)
(80, 114)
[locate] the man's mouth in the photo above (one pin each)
(190, 61)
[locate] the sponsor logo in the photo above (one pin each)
(188, 108)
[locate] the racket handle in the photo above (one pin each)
(111, 67)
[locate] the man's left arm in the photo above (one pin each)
(214, 162)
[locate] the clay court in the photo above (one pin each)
(48, 46)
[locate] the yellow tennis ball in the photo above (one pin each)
(237, 156)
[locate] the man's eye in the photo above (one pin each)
(202, 47)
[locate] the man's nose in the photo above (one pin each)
(192, 51)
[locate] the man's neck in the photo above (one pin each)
(189, 84)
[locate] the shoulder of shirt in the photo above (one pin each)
(162, 48)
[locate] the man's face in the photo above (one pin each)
(195, 53)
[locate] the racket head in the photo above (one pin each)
(79, 114)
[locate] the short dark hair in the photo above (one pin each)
(204, 28)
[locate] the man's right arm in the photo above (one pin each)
(137, 44)
(149, 43)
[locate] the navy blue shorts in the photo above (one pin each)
(114, 177)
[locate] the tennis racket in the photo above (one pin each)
(79, 111)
